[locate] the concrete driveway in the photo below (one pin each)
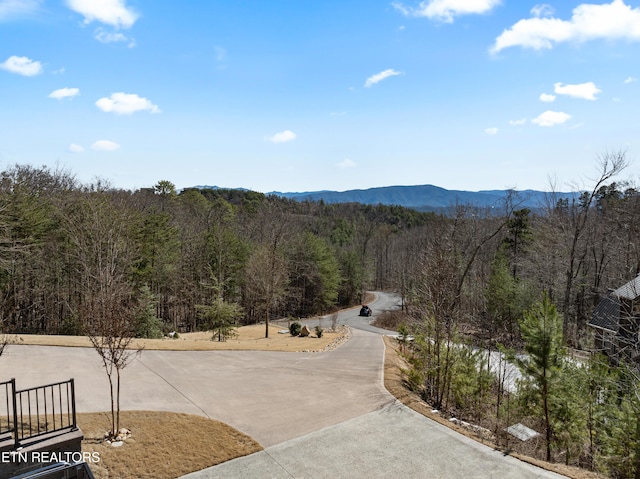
(393, 442)
(270, 396)
(317, 414)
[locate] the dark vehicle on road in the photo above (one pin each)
(365, 310)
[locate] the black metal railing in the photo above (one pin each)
(33, 412)
(7, 402)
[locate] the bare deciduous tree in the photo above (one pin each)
(101, 233)
(610, 164)
(266, 278)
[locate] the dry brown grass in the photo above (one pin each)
(162, 444)
(394, 382)
(249, 338)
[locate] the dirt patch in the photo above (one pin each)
(162, 444)
(250, 338)
(395, 383)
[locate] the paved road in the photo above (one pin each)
(383, 302)
(317, 414)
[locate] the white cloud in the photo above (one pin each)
(110, 12)
(402, 9)
(519, 122)
(109, 37)
(586, 91)
(126, 104)
(73, 148)
(551, 118)
(22, 66)
(542, 10)
(491, 131)
(16, 8)
(105, 145)
(630, 80)
(614, 20)
(378, 77)
(64, 93)
(446, 10)
(282, 137)
(547, 98)
(347, 163)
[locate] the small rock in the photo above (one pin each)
(117, 443)
(304, 331)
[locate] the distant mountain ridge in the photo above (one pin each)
(422, 197)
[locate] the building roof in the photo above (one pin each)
(606, 315)
(630, 291)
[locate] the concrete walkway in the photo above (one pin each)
(317, 414)
(393, 442)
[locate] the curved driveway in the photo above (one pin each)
(317, 414)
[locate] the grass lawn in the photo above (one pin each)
(249, 338)
(162, 444)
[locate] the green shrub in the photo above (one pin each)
(70, 326)
(319, 331)
(415, 379)
(148, 327)
(295, 328)
(146, 323)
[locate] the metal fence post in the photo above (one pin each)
(73, 401)
(14, 401)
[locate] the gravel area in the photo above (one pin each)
(343, 338)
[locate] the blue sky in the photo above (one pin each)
(287, 95)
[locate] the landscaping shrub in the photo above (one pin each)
(295, 328)
(319, 331)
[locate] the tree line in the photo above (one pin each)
(169, 257)
(183, 261)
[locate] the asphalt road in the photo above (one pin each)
(317, 414)
(383, 302)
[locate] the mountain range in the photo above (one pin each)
(424, 197)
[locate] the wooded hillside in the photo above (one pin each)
(165, 254)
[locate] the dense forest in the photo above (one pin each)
(165, 256)
(198, 259)
(170, 252)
